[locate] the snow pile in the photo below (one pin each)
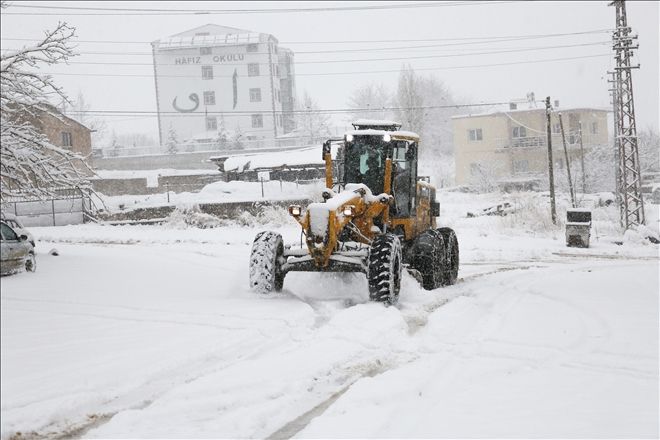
(218, 192)
(273, 216)
(184, 217)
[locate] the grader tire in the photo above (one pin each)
(384, 270)
(451, 260)
(427, 258)
(266, 260)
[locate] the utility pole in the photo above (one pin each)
(568, 162)
(553, 209)
(617, 160)
(625, 130)
(584, 185)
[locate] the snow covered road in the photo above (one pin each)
(161, 338)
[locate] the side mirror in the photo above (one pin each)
(326, 149)
(23, 237)
(435, 209)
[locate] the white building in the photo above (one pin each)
(215, 77)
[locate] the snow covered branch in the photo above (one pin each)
(31, 164)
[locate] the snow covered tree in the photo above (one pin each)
(372, 97)
(236, 139)
(30, 163)
(172, 141)
(313, 124)
(223, 134)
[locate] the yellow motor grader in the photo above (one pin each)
(377, 217)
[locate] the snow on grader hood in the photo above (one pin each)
(377, 217)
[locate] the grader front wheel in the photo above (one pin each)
(384, 271)
(266, 259)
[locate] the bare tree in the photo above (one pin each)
(314, 124)
(80, 111)
(410, 99)
(31, 164)
(374, 98)
(424, 105)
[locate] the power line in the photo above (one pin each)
(297, 53)
(157, 11)
(370, 59)
(487, 39)
(294, 112)
(342, 73)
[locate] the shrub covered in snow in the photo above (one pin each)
(184, 217)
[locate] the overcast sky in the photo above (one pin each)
(580, 81)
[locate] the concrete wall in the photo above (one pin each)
(220, 210)
(187, 161)
(138, 185)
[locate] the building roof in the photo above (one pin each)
(212, 35)
(45, 108)
(503, 110)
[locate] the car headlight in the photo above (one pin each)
(349, 138)
(387, 138)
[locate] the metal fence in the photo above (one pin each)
(71, 206)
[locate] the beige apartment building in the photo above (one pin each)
(509, 145)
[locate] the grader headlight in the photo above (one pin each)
(349, 210)
(295, 210)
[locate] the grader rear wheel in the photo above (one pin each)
(450, 266)
(427, 258)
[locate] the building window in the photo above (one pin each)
(594, 128)
(207, 72)
(211, 123)
(520, 166)
(252, 47)
(279, 97)
(253, 69)
(277, 70)
(560, 164)
(202, 34)
(519, 132)
(475, 134)
(205, 51)
(556, 128)
(66, 139)
(255, 95)
(209, 98)
(257, 121)
(475, 169)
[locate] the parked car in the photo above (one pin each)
(17, 226)
(16, 251)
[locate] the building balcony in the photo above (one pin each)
(572, 141)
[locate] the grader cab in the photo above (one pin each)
(377, 217)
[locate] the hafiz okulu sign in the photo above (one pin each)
(218, 59)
